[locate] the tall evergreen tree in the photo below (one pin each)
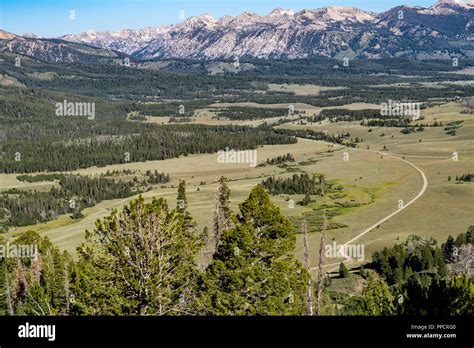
(449, 249)
(137, 262)
(343, 272)
(322, 184)
(182, 200)
(253, 271)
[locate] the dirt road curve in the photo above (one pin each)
(414, 199)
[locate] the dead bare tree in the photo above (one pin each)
(468, 103)
(321, 273)
(66, 287)
(8, 296)
(464, 263)
(306, 263)
(21, 285)
(222, 211)
(217, 222)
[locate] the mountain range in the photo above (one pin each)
(443, 30)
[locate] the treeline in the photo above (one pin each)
(314, 135)
(185, 79)
(157, 178)
(75, 193)
(369, 72)
(190, 81)
(279, 160)
(337, 115)
(418, 278)
(415, 258)
(299, 184)
(249, 113)
(125, 82)
(465, 177)
(157, 143)
(452, 247)
(21, 105)
(402, 122)
(397, 123)
(387, 122)
(40, 177)
(184, 109)
(452, 127)
(356, 94)
(110, 173)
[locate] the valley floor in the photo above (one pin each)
(377, 182)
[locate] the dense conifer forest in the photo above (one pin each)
(74, 194)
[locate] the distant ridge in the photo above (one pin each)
(443, 30)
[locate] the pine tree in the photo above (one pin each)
(182, 200)
(322, 184)
(449, 249)
(182, 207)
(306, 200)
(137, 262)
(253, 271)
(343, 272)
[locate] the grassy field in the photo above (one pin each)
(202, 171)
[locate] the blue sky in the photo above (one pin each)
(51, 18)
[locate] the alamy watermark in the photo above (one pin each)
(19, 251)
(354, 251)
(395, 108)
(76, 109)
(241, 156)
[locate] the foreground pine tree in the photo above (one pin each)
(138, 262)
(253, 271)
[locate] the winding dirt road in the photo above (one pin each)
(403, 207)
